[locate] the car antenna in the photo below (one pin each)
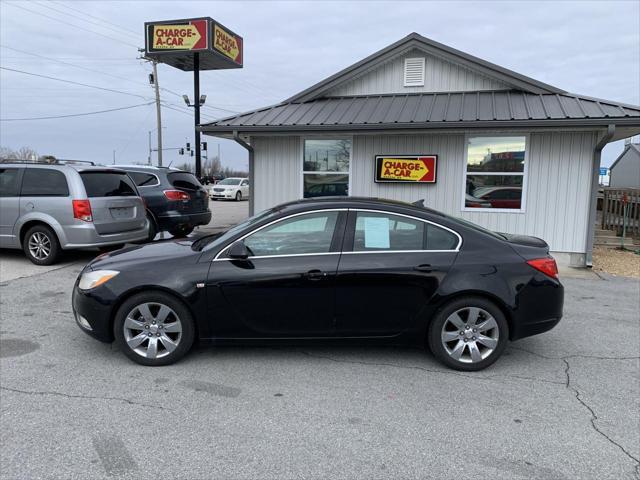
(419, 203)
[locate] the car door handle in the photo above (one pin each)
(315, 274)
(425, 267)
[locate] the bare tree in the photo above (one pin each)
(23, 153)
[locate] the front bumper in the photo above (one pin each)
(226, 194)
(167, 222)
(95, 311)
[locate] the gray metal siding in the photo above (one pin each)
(557, 190)
(626, 171)
(440, 76)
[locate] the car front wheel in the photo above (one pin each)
(154, 329)
(468, 334)
(238, 196)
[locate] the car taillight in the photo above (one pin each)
(545, 265)
(176, 195)
(82, 210)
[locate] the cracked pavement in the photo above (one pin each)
(562, 405)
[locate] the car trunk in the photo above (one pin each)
(115, 204)
(198, 198)
(528, 247)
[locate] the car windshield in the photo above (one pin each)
(229, 181)
(211, 241)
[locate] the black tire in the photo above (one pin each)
(153, 229)
(184, 315)
(179, 232)
(435, 332)
(238, 196)
(42, 235)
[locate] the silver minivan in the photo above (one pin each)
(45, 208)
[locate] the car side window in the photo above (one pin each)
(377, 231)
(245, 183)
(9, 182)
(143, 179)
(303, 234)
(43, 182)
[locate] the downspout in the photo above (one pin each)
(593, 201)
(240, 141)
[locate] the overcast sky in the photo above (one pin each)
(590, 48)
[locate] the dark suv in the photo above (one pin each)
(176, 201)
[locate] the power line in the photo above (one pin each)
(74, 114)
(85, 20)
(62, 4)
(74, 83)
(71, 24)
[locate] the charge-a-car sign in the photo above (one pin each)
(227, 43)
(406, 168)
(189, 36)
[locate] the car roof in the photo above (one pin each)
(361, 202)
(79, 167)
(150, 168)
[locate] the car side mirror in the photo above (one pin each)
(239, 251)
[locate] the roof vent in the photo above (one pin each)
(414, 72)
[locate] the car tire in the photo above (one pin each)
(468, 334)
(238, 196)
(136, 335)
(153, 229)
(41, 245)
(180, 232)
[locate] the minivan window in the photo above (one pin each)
(39, 182)
(143, 179)
(184, 180)
(9, 182)
(108, 184)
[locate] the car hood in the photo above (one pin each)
(135, 255)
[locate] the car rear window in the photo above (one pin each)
(144, 179)
(184, 180)
(39, 182)
(108, 184)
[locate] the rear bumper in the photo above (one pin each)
(166, 222)
(540, 305)
(83, 236)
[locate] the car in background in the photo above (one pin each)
(47, 208)
(473, 202)
(176, 201)
(500, 197)
(327, 190)
(232, 188)
(331, 269)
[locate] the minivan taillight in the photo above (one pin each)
(82, 210)
(176, 195)
(546, 265)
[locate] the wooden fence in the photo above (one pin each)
(613, 203)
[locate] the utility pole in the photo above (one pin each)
(149, 158)
(114, 157)
(158, 111)
(196, 95)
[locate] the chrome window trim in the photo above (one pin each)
(217, 257)
(457, 249)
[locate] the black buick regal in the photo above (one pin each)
(331, 269)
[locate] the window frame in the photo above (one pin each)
(524, 174)
(219, 256)
(325, 137)
(347, 247)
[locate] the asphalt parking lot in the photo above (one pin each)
(562, 405)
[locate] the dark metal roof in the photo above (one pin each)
(415, 40)
(431, 110)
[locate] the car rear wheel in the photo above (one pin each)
(153, 229)
(181, 231)
(41, 245)
(238, 196)
(468, 334)
(154, 329)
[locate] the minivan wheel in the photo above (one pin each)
(468, 334)
(154, 329)
(238, 196)
(181, 231)
(41, 245)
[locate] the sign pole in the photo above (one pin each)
(196, 101)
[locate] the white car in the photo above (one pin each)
(233, 188)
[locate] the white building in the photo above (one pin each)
(625, 171)
(512, 154)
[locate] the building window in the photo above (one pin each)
(495, 173)
(326, 168)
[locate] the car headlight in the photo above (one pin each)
(92, 279)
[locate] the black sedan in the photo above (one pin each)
(331, 269)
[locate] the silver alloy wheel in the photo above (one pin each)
(470, 334)
(40, 245)
(152, 330)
